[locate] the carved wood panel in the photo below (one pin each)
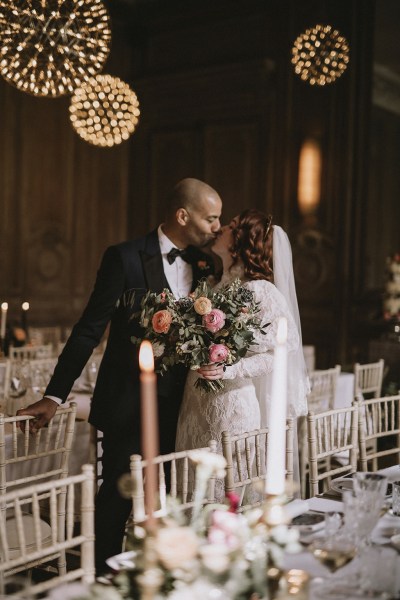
(62, 202)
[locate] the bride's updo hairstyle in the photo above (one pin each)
(252, 244)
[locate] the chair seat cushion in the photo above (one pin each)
(29, 530)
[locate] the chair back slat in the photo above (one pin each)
(30, 352)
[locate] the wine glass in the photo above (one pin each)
(367, 500)
(38, 382)
(334, 553)
(18, 387)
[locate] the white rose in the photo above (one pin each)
(158, 349)
(176, 545)
(215, 557)
(209, 461)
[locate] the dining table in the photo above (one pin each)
(388, 557)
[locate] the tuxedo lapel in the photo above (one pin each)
(152, 264)
(201, 266)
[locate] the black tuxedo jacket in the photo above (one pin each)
(128, 269)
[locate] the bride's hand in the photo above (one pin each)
(212, 371)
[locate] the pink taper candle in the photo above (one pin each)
(276, 458)
(149, 427)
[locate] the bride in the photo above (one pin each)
(259, 253)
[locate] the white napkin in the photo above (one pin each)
(324, 505)
(296, 507)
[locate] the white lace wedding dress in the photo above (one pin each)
(237, 408)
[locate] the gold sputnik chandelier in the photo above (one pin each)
(320, 55)
(49, 47)
(104, 111)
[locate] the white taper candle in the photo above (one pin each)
(276, 457)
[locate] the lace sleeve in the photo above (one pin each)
(259, 359)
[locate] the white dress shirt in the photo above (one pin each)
(179, 275)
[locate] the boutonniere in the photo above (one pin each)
(203, 265)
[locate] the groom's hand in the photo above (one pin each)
(212, 371)
(43, 410)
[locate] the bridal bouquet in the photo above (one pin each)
(208, 326)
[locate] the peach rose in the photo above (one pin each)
(218, 353)
(176, 545)
(161, 321)
(202, 305)
(214, 320)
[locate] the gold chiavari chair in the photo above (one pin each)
(329, 433)
(245, 454)
(22, 547)
(182, 481)
(378, 418)
(28, 459)
(323, 384)
(368, 379)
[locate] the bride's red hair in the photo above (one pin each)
(252, 244)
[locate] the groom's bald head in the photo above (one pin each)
(189, 193)
(192, 213)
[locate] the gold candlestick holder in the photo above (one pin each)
(151, 579)
(275, 515)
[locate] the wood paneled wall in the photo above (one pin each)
(219, 101)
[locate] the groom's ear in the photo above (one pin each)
(181, 216)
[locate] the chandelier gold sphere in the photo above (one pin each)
(49, 47)
(320, 55)
(104, 111)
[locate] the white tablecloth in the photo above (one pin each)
(387, 526)
(344, 395)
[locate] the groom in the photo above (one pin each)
(169, 256)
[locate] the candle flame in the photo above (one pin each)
(4, 306)
(146, 357)
(25, 306)
(281, 335)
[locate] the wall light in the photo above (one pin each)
(309, 180)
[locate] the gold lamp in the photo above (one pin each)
(49, 47)
(320, 55)
(104, 111)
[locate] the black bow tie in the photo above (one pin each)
(174, 252)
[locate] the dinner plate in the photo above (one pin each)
(309, 522)
(342, 483)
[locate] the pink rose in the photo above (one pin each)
(225, 529)
(214, 320)
(161, 321)
(218, 353)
